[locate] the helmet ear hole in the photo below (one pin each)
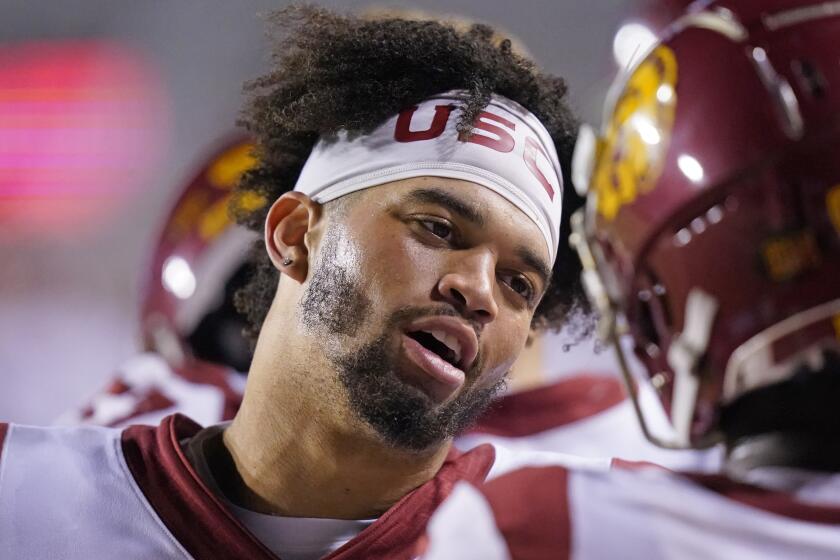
(218, 337)
(810, 78)
(647, 329)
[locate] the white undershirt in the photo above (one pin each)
(290, 538)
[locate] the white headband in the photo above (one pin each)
(510, 152)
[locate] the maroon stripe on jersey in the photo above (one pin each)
(396, 533)
(191, 512)
(118, 387)
(152, 401)
(207, 530)
(531, 507)
(4, 429)
(773, 501)
(552, 406)
(618, 463)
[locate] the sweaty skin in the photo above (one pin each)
(339, 419)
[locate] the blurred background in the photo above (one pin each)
(105, 110)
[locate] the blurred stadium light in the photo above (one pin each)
(82, 122)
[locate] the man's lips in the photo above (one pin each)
(460, 338)
(448, 378)
(444, 348)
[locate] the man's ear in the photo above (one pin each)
(289, 219)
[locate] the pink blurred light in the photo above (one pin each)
(83, 124)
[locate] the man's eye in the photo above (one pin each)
(521, 286)
(438, 229)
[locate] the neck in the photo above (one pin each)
(296, 449)
(812, 452)
(305, 469)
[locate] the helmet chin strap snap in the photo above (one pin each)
(684, 355)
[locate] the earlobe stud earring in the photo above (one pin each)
(287, 261)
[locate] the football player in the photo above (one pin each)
(710, 237)
(411, 225)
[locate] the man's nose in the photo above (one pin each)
(470, 285)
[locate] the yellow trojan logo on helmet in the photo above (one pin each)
(637, 135)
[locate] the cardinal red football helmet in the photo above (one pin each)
(186, 305)
(711, 233)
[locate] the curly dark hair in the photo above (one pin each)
(335, 72)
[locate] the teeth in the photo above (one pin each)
(450, 341)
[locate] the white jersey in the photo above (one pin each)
(78, 493)
(583, 415)
(634, 512)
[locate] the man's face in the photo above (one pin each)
(421, 293)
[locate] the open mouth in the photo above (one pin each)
(444, 345)
(444, 348)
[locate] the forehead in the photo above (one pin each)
(471, 204)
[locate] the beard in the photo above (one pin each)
(332, 308)
(403, 415)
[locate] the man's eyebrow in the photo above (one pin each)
(532, 260)
(450, 201)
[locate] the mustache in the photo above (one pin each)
(410, 313)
